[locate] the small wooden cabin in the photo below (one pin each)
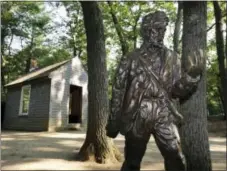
(48, 99)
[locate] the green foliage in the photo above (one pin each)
(27, 22)
(129, 17)
(75, 38)
(168, 7)
(57, 55)
(214, 102)
(213, 88)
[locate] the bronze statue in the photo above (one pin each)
(146, 82)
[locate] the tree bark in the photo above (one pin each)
(226, 49)
(225, 117)
(226, 39)
(97, 144)
(177, 28)
(9, 46)
(194, 132)
(28, 61)
(2, 67)
(2, 78)
(221, 54)
(124, 44)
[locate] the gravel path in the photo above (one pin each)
(56, 151)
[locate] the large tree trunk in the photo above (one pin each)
(226, 48)
(177, 28)
(96, 144)
(226, 38)
(194, 132)
(221, 54)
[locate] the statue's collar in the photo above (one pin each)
(152, 45)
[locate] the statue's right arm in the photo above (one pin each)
(118, 92)
(186, 77)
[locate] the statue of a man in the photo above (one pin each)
(146, 81)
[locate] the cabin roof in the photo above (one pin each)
(37, 73)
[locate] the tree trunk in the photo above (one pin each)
(3, 90)
(135, 35)
(28, 61)
(134, 32)
(124, 44)
(96, 144)
(28, 64)
(226, 38)
(177, 28)
(194, 132)
(74, 51)
(221, 54)
(226, 48)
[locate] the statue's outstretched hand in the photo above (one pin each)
(195, 64)
(188, 74)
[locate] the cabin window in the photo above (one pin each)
(25, 99)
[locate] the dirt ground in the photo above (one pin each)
(56, 151)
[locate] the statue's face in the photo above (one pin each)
(154, 26)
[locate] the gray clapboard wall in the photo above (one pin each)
(38, 114)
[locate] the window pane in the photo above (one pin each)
(26, 93)
(25, 100)
(25, 107)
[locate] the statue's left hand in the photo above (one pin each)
(111, 129)
(195, 64)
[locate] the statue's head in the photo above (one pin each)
(154, 26)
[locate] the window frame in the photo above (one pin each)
(21, 113)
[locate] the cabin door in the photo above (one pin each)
(75, 104)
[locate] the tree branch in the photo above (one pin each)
(135, 25)
(226, 41)
(9, 47)
(178, 22)
(124, 44)
(215, 23)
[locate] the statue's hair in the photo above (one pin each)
(157, 18)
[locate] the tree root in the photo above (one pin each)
(99, 154)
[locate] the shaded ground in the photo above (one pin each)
(56, 151)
